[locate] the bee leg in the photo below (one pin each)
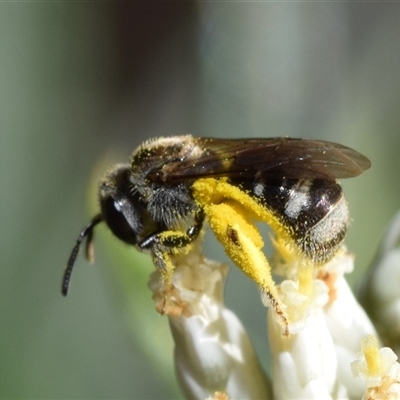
(243, 243)
(164, 244)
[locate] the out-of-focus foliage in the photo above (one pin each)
(79, 80)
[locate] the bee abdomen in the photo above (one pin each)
(314, 213)
(324, 239)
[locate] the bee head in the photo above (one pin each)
(120, 204)
(122, 211)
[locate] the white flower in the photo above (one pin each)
(212, 351)
(347, 321)
(326, 324)
(304, 364)
(379, 369)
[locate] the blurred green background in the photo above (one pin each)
(82, 84)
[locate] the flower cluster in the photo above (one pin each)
(333, 350)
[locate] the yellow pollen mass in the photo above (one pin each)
(229, 211)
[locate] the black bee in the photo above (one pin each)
(159, 201)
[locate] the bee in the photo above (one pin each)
(159, 201)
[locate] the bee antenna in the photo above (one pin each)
(86, 232)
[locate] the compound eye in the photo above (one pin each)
(121, 218)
